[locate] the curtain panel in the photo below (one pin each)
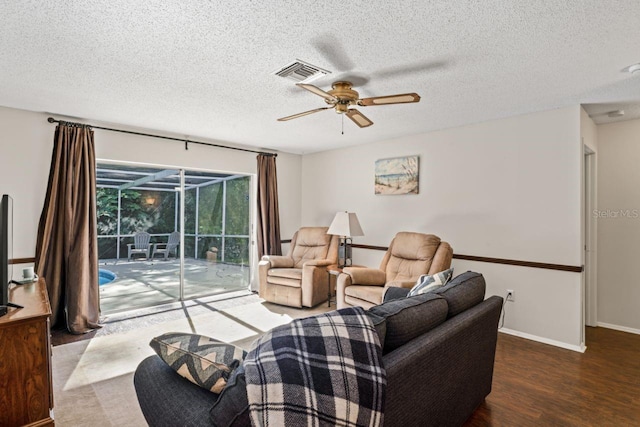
(67, 243)
(268, 229)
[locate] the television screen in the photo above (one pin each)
(6, 247)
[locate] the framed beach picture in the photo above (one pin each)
(398, 175)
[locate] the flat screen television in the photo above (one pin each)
(6, 250)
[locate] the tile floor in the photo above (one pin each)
(93, 378)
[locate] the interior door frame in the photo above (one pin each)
(589, 250)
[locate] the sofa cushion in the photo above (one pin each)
(410, 255)
(431, 282)
(287, 273)
(409, 318)
(463, 292)
(310, 243)
(355, 302)
(372, 294)
(394, 293)
(285, 277)
(414, 246)
(202, 360)
(232, 407)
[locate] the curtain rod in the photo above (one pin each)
(186, 141)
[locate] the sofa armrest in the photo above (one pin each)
(365, 276)
(460, 355)
(166, 398)
(278, 261)
(319, 262)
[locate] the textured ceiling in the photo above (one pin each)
(204, 69)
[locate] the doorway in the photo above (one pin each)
(169, 234)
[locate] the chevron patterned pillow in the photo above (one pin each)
(202, 360)
(427, 283)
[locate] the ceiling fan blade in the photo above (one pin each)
(358, 118)
(313, 89)
(390, 99)
(295, 116)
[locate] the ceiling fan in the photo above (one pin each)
(342, 96)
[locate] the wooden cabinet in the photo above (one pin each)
(26, 396)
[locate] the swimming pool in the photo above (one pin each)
(105, 276)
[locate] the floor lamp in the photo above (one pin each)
(345, 225)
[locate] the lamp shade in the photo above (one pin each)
(345, 224)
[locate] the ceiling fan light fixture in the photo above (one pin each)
(341, 108)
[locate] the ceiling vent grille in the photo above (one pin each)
(301, 72)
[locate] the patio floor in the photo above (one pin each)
(143, 283)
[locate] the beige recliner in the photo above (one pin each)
(409, 256)
(300, 278)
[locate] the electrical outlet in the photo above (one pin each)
(511, 296)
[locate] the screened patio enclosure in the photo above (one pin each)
(211, 213)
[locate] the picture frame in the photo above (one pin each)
(397, 175)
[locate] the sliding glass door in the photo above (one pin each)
(170, 234)
(218, 235)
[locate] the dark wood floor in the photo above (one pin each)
(540, 385)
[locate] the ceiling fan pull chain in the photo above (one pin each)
(342, 115)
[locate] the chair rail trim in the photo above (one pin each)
(520, 263)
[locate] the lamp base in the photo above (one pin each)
(344, 252)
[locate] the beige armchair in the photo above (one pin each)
(300, 278)
(409, 256)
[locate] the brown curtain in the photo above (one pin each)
(268, 212)
(67, 245)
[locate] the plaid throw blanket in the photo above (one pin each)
(324, 370)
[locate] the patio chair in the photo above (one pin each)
(169, 247)
(140, 245)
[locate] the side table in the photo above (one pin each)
(334, 270)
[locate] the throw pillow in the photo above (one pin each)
(427, 283)
(202, 360)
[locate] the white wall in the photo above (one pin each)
(619, 225)
(25, 159)
(508, 188)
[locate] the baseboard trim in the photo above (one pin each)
(619, 328)
(578, 348)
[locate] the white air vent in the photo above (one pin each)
(301, 72)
